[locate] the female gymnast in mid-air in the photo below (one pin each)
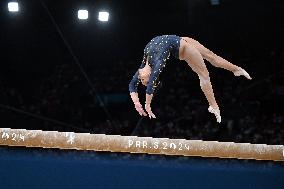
(158, 50)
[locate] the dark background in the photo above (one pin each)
(61, 73)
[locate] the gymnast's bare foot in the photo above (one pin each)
(243, 72)
(216, 112)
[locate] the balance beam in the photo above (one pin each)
(134, 144)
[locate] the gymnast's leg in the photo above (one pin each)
(194, 59)
(216, 60)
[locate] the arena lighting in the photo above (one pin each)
(13, 6)
(83, 14)
(103, 16)
(215, 2)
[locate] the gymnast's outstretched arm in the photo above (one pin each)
(133, 89)
(152, 85)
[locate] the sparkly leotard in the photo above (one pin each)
(157, 51)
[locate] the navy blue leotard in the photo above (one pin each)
(157, 51)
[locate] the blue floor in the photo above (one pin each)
(42, 168)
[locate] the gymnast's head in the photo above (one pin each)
(144, 74)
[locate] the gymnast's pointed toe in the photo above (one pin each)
(243, 72)
(216, 112)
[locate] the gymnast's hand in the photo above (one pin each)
(139, 109)
(149, 111)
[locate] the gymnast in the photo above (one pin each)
(158, 50)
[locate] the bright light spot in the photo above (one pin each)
(83, 14)
(103, 16)
(215, 2)
(13, 7)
